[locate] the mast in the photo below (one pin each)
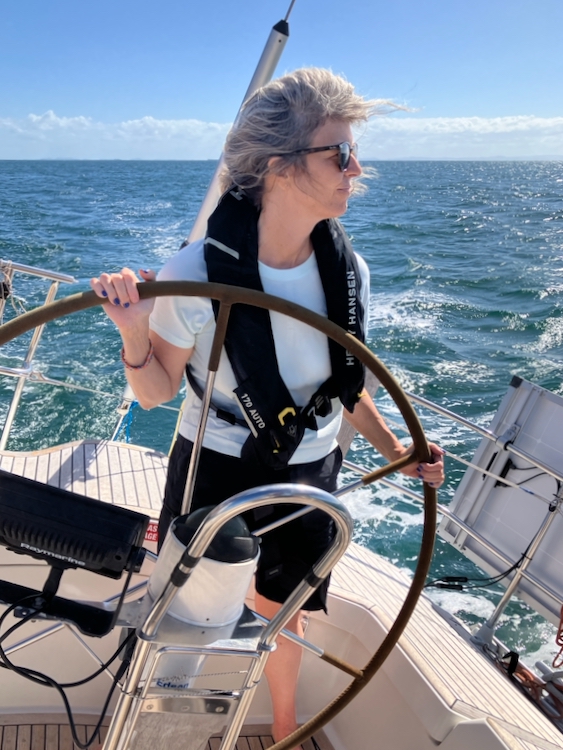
(263, 73)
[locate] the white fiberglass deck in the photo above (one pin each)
(465, 686)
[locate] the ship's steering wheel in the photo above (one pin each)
(228, 296)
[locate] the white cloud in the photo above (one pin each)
(400, 137)
(463, 137)
(49, 136)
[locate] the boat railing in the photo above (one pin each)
(485, 634)
(27, 372)
(502, 440)
(24, 373)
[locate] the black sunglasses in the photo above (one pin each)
(345, 151)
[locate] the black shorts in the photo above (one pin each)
(286, 553)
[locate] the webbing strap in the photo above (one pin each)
(223, 414)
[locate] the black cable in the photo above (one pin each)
(30, 616)
(45, 680)
(4, 660)
(459, 583)
(529, 479)
(455, 583)
(42, 679)
(78, 683)
(18, 624)
(535, 476)
(103, 667)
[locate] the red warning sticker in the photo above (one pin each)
(152, 532)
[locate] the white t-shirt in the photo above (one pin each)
(302, 352)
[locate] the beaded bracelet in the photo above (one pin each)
(146, 363)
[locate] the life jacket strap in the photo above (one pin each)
(320, 404)
(223, 414)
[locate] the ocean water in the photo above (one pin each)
(467, 279)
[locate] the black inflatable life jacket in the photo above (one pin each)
(276, 424)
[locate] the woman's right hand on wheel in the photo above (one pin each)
(124, 307)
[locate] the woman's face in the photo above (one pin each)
(323, 189)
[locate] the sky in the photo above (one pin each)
(124, 79)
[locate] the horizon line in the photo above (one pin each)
(500, 158)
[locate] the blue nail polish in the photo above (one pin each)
(104, 293)
(116, 301)
(126, 304)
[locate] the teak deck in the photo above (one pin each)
(117, 473)
(53, 733)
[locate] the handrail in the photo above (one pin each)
(450, 414)
(508, 446)
(33, 271)
(32, 348)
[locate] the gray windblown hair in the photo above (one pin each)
(282, 117)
